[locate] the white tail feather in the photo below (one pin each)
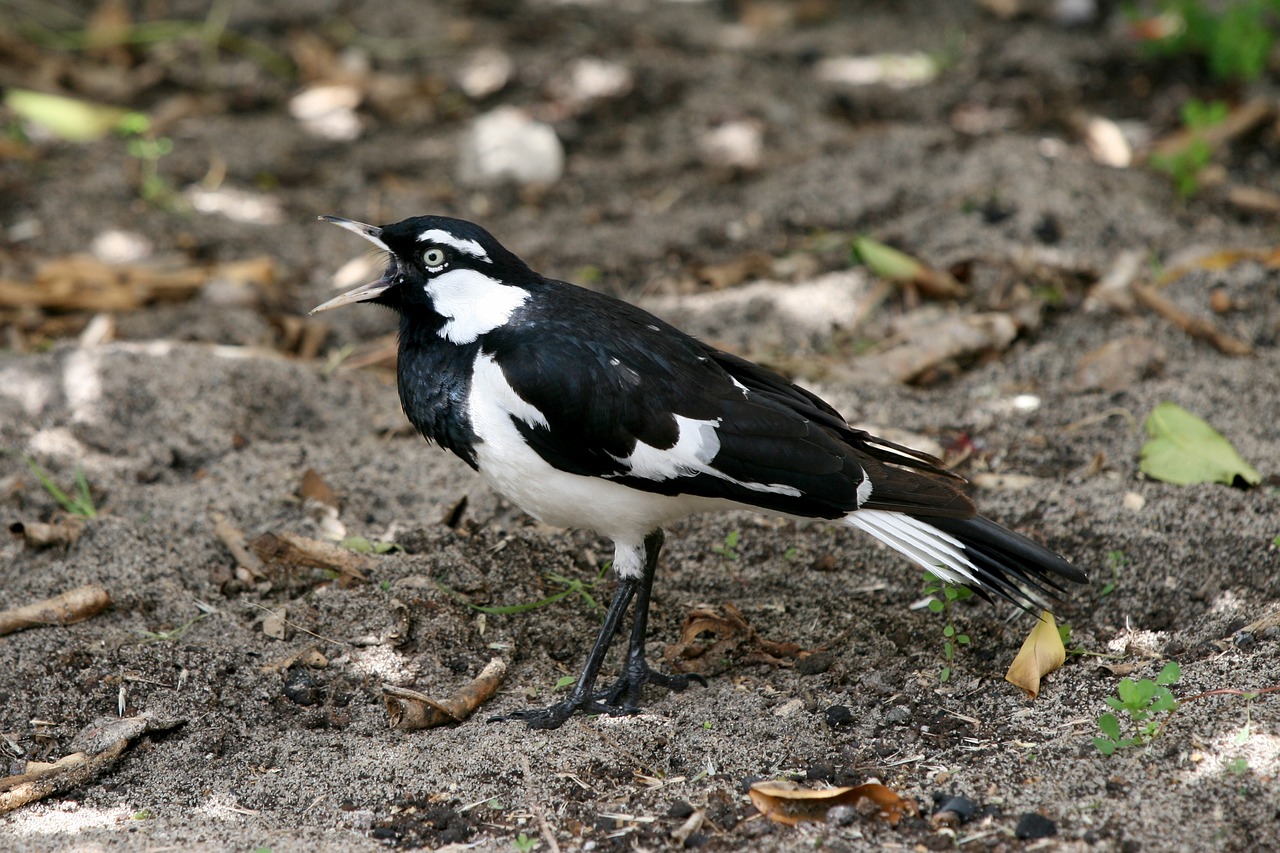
(939, 552)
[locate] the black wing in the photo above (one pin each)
(623, 382)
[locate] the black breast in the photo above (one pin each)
(434, 376)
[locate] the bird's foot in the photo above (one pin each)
(622, 698)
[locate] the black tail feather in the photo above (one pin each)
(1009, 564)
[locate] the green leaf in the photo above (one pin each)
(1106, 747)
(1185, 450)
(1109, 724)
(1170, 674)
(936, 606)
(68, 119)
(885, 261)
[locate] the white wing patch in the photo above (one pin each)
(493, 397)
(696, 447)
(473, 303)
(444, 238)
(939, 552)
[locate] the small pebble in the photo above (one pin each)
(1032, 826)
(839, 715)
(954, 811)
(680, 810)
(841, 815)
(505, 144)
(815, 664)
(898, 715)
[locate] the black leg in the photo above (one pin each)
(581, 696)
(623, 697)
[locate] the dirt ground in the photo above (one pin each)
(199, 406)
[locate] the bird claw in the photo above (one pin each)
(620, 699)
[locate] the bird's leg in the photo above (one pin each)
(624, 695)
(582, 696)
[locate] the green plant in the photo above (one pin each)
(728, 551)
(1237, 766)
(1185, 163)
(148, 149)
(1234, 38)
(1116, 560)
(572, 587)
(1142, 700)
(945, 593)
(81, 503)
(524, 843)
(177, 633)
(362, 545)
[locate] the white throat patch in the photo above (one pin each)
(472, 303)
(444, 238)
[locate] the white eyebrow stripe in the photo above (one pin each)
(471, 247)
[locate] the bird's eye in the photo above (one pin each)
(433, 257)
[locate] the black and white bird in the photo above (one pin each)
(586, 411)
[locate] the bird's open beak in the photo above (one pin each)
(364, 292)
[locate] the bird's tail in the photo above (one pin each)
(976, 552)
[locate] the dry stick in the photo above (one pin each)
(72, 606)
(1221, 691)
(231, 537)
(1193, 326)
(70, 772)
(543, 825)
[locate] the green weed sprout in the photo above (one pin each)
(946, 593)
(1142, 700)
(80, 503)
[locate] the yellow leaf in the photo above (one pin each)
(1041, 653)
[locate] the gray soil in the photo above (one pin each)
(194, 410)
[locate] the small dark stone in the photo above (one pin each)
(1032, 826)
(815, 664)
(696, 840)
(898, 715)
(823, 771)
(962, 807)
(301, 688)
(1244, 639)
(1049, 230)
(839, 715)
(679, 810)
(747, 781)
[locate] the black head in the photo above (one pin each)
(424, 249)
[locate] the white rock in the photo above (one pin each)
(487, 72)
(328, 111)
(736, 144)
(590, 80)
(121, 247)
(505, 144)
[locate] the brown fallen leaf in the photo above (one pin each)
(96, 749)
(409, 710)
(1042, 652)
(74, 605)
(787, 803)
(292, 549)
(734, 638)
(315, 488)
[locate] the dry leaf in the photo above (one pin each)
(1041, 653)
(408, 709)
(315, 488)
(787, 803)
(734, 639)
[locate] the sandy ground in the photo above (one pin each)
(193, 411)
